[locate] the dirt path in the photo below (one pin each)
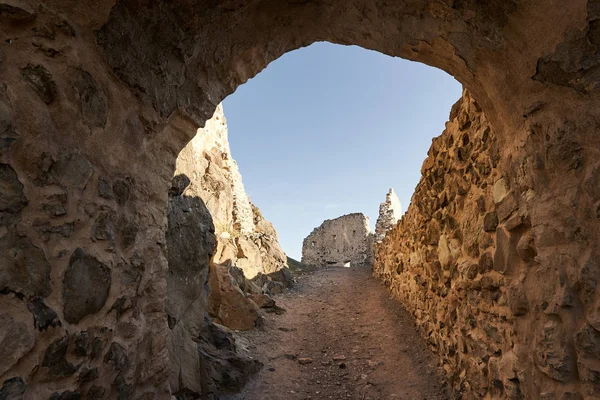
(342, 337)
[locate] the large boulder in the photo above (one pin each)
(227, 303)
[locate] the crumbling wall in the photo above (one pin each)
(465, 260)
(343, 241)
(390, 211)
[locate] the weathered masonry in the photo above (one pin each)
(390, 211)
(345, 241)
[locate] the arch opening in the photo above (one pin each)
(466, 119)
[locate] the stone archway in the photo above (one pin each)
(98, 98)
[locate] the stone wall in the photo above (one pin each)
(82, 228)
(390, 211)
(343, 241)
(465, 261)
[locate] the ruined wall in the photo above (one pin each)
(390, 211)
(339, 241)
(464, 260)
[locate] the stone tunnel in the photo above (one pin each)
(98, 98)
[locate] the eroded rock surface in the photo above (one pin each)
(244, 238)
(343, 241)
(203, 360)
(216, 240)
(17, 335)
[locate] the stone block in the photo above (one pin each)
(86, 285)
(499, 190)
(526, 247)
(506, 207)
(490, 222)
(505, 255)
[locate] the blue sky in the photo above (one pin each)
(326, 130)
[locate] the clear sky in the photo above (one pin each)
(326, 130)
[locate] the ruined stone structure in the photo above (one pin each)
(97, 99)
(390, 211)
(343, 241)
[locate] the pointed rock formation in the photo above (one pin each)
(244, 238)
(216, 238)
(390, 211)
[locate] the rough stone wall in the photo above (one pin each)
(244, 238)
(465, 260)
(339, 242)
(390, 211)
(82, 227)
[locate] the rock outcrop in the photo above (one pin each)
(215, 238)
(343, 241)
(390, 211)
(244, 238)
(203, 357)
(98, 98)
(228, 302)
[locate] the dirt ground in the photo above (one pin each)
(341, 337)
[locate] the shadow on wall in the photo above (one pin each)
(203, 356)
